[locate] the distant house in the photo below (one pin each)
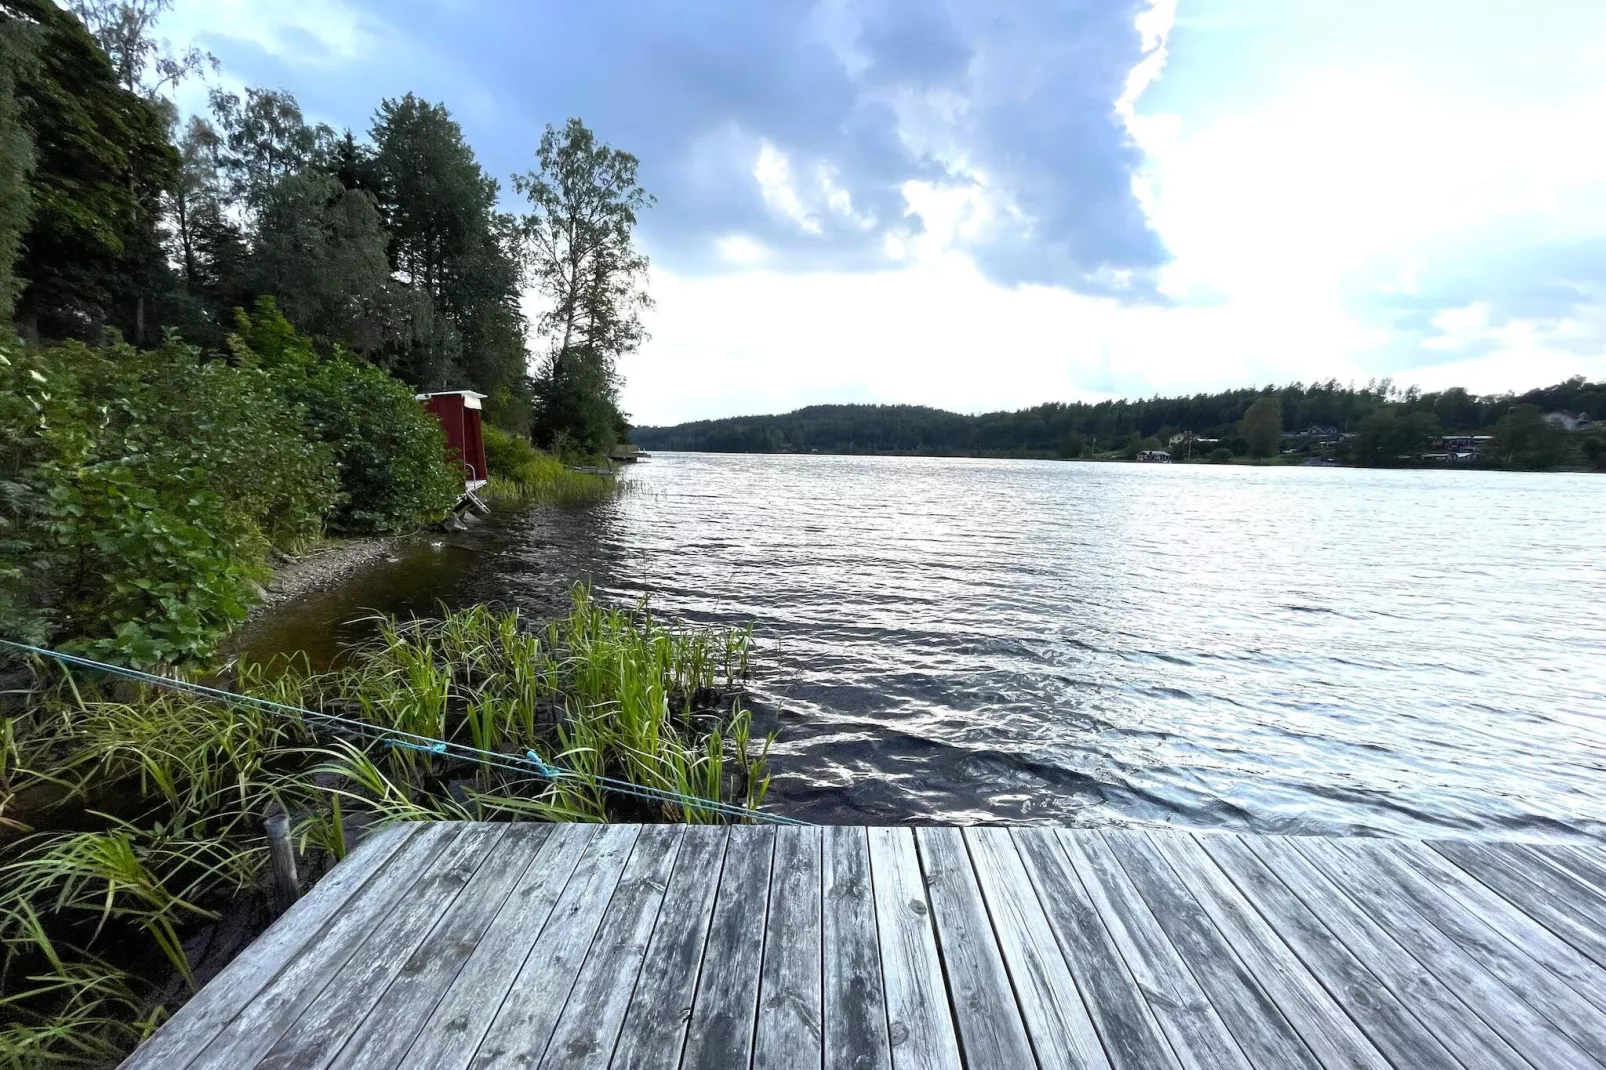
(1471, 445)
(1154, 456)
(1314, 433)
(1569, 421)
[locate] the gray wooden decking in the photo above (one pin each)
(458, 945)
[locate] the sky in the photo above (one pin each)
(984, 206)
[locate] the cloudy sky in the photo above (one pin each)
(990, 205)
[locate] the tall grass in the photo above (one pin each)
(523, 474)
(132, 817)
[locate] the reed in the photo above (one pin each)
(522, 474)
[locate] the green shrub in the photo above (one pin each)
(142, 491)
(1221, 455)
(389, 450)
(522, 473)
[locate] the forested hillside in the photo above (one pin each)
(1384, 418)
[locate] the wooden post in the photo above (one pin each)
(286, 887)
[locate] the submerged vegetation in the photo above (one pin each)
(148, 803)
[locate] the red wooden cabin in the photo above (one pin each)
(459, 414)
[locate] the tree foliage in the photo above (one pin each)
(126, 32)
(1525, 439)
(1394, 435)
(1262, 427)
(321, 252)
(584, 201)
(16, 158)
(92, 255)
(1103, 426)
(450, 248)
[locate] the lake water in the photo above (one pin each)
(1267, 649)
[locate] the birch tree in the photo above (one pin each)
(585, 199)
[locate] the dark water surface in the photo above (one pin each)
(1267, 649)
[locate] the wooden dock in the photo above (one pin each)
(491, 945)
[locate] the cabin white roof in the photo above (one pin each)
(471, 398)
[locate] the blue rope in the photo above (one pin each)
(525, 764)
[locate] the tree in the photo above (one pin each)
(264, 138)
(16, 160)
(584, 200)
(210, 246)
(1393, 435)
(321, 253)
(91, 255)
(1262, 427)
(1595, 451)
(144, 63)
(1525, 439)
(450, 247)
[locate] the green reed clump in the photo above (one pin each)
(605, 692)
(520, 473)
(131, 818)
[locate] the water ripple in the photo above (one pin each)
(1273, 650)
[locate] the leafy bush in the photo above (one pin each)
(1221, 455)
(389, 451)
(143, 490)
(522, 473)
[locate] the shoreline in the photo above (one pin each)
(323, 568)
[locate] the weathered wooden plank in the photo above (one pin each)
(1586, 870)
(450, 1034)
(991, 1033)
(320, 1030)
(855, 1002)
(720, 1032)
(1541, 892)
(1429, 939)
(275, 1008)
(388, 1029)
(589, 1025)
(519, 1033)
(1410, 1015)
(1580, 973)
(1250, 1012)
(654, 1029)
(206, 1013)
(1057, 1020)
(789, 1032)
(1304, 1000)
(1199, 1038)
(919, 1022)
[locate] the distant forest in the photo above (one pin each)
(1071, 430)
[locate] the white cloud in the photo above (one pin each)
(773, 173)
(338, 32)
